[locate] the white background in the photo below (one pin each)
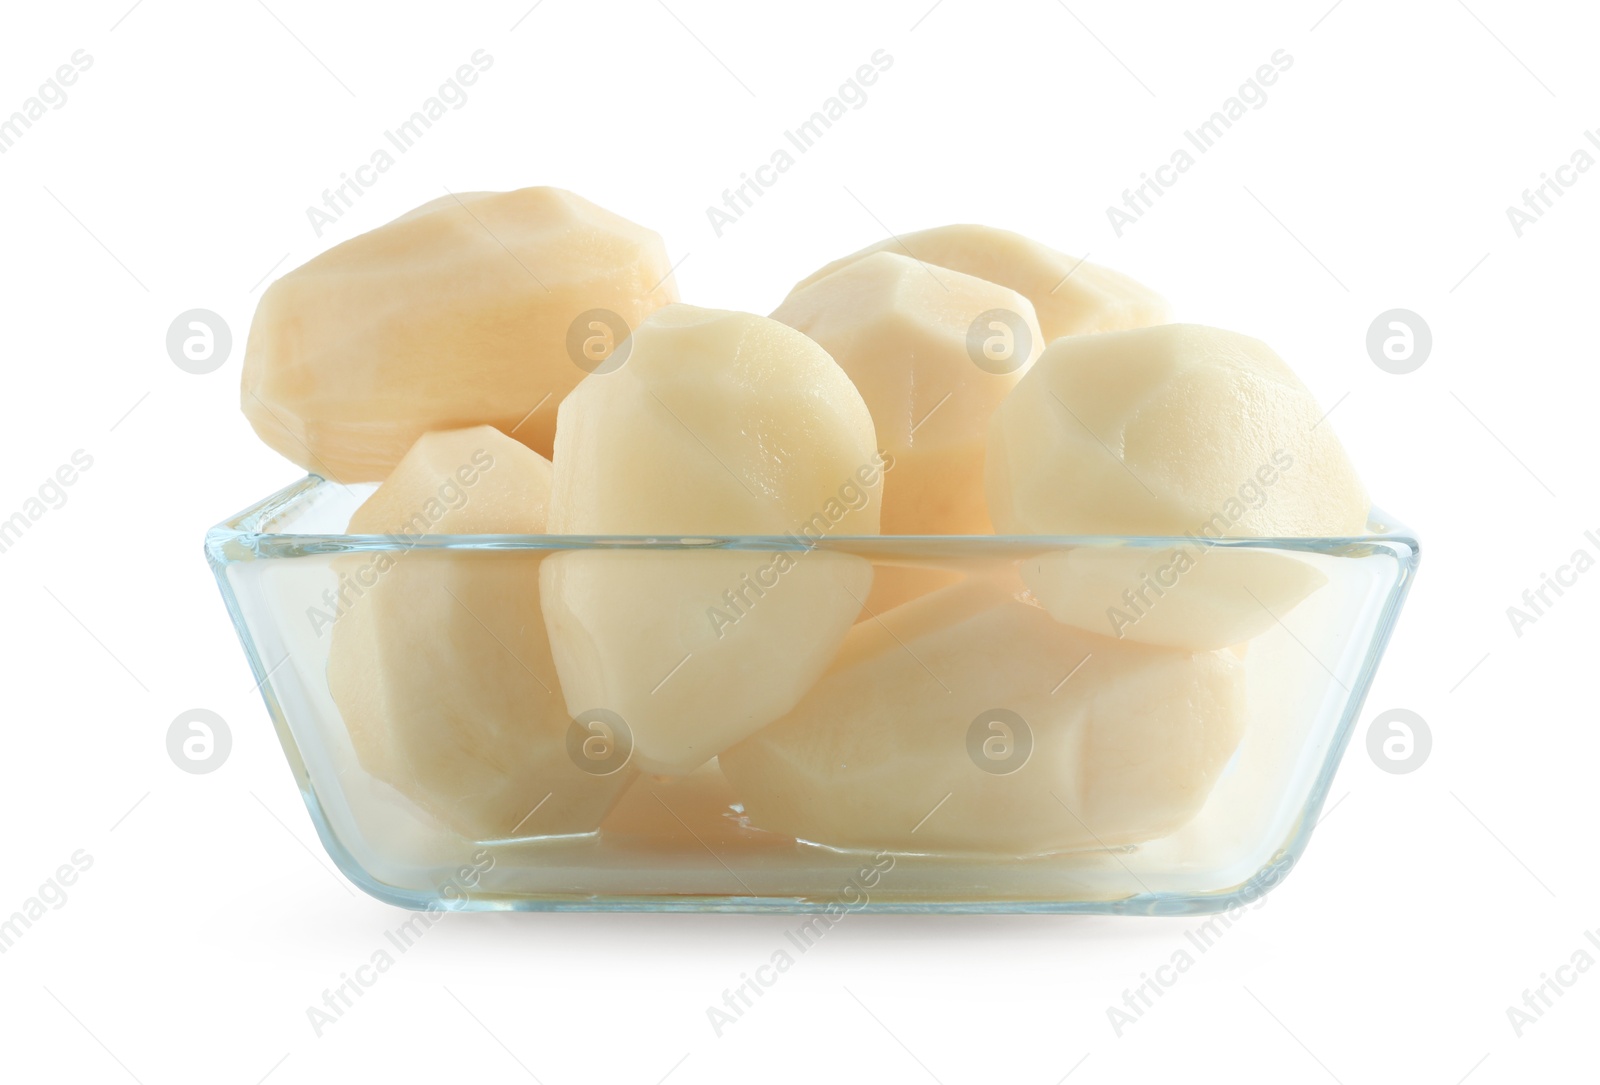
(1377, 175)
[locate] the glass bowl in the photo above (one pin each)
(988, 724)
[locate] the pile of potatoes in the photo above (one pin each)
(519, 363)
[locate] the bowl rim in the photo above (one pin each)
(244, 536)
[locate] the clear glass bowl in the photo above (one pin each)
(412, 687)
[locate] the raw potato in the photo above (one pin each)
(893, 585)
(1070, 296)
(653, 637)
(441, 668)
(1194, 596)
(1171, 430)
(717, 424)
(1177, 430)
(455, 314)
(902, 336)
(886, 750)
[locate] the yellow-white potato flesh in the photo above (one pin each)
(439, 660)
(1070, 296)
(464, 311)
(1181, 431)
(718, 423)
(933, 352)
(1193, 595)
(893, 585)
(970, 721)
(1173, 430)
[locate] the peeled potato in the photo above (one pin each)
(461, 312)
(1177, 430)
(953, 726)
(932, 357)
(652, 637)
(718, 423)
(894, 584)
(1069, 296)
(1192, 596)
(439, 662)
(1170, 430)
